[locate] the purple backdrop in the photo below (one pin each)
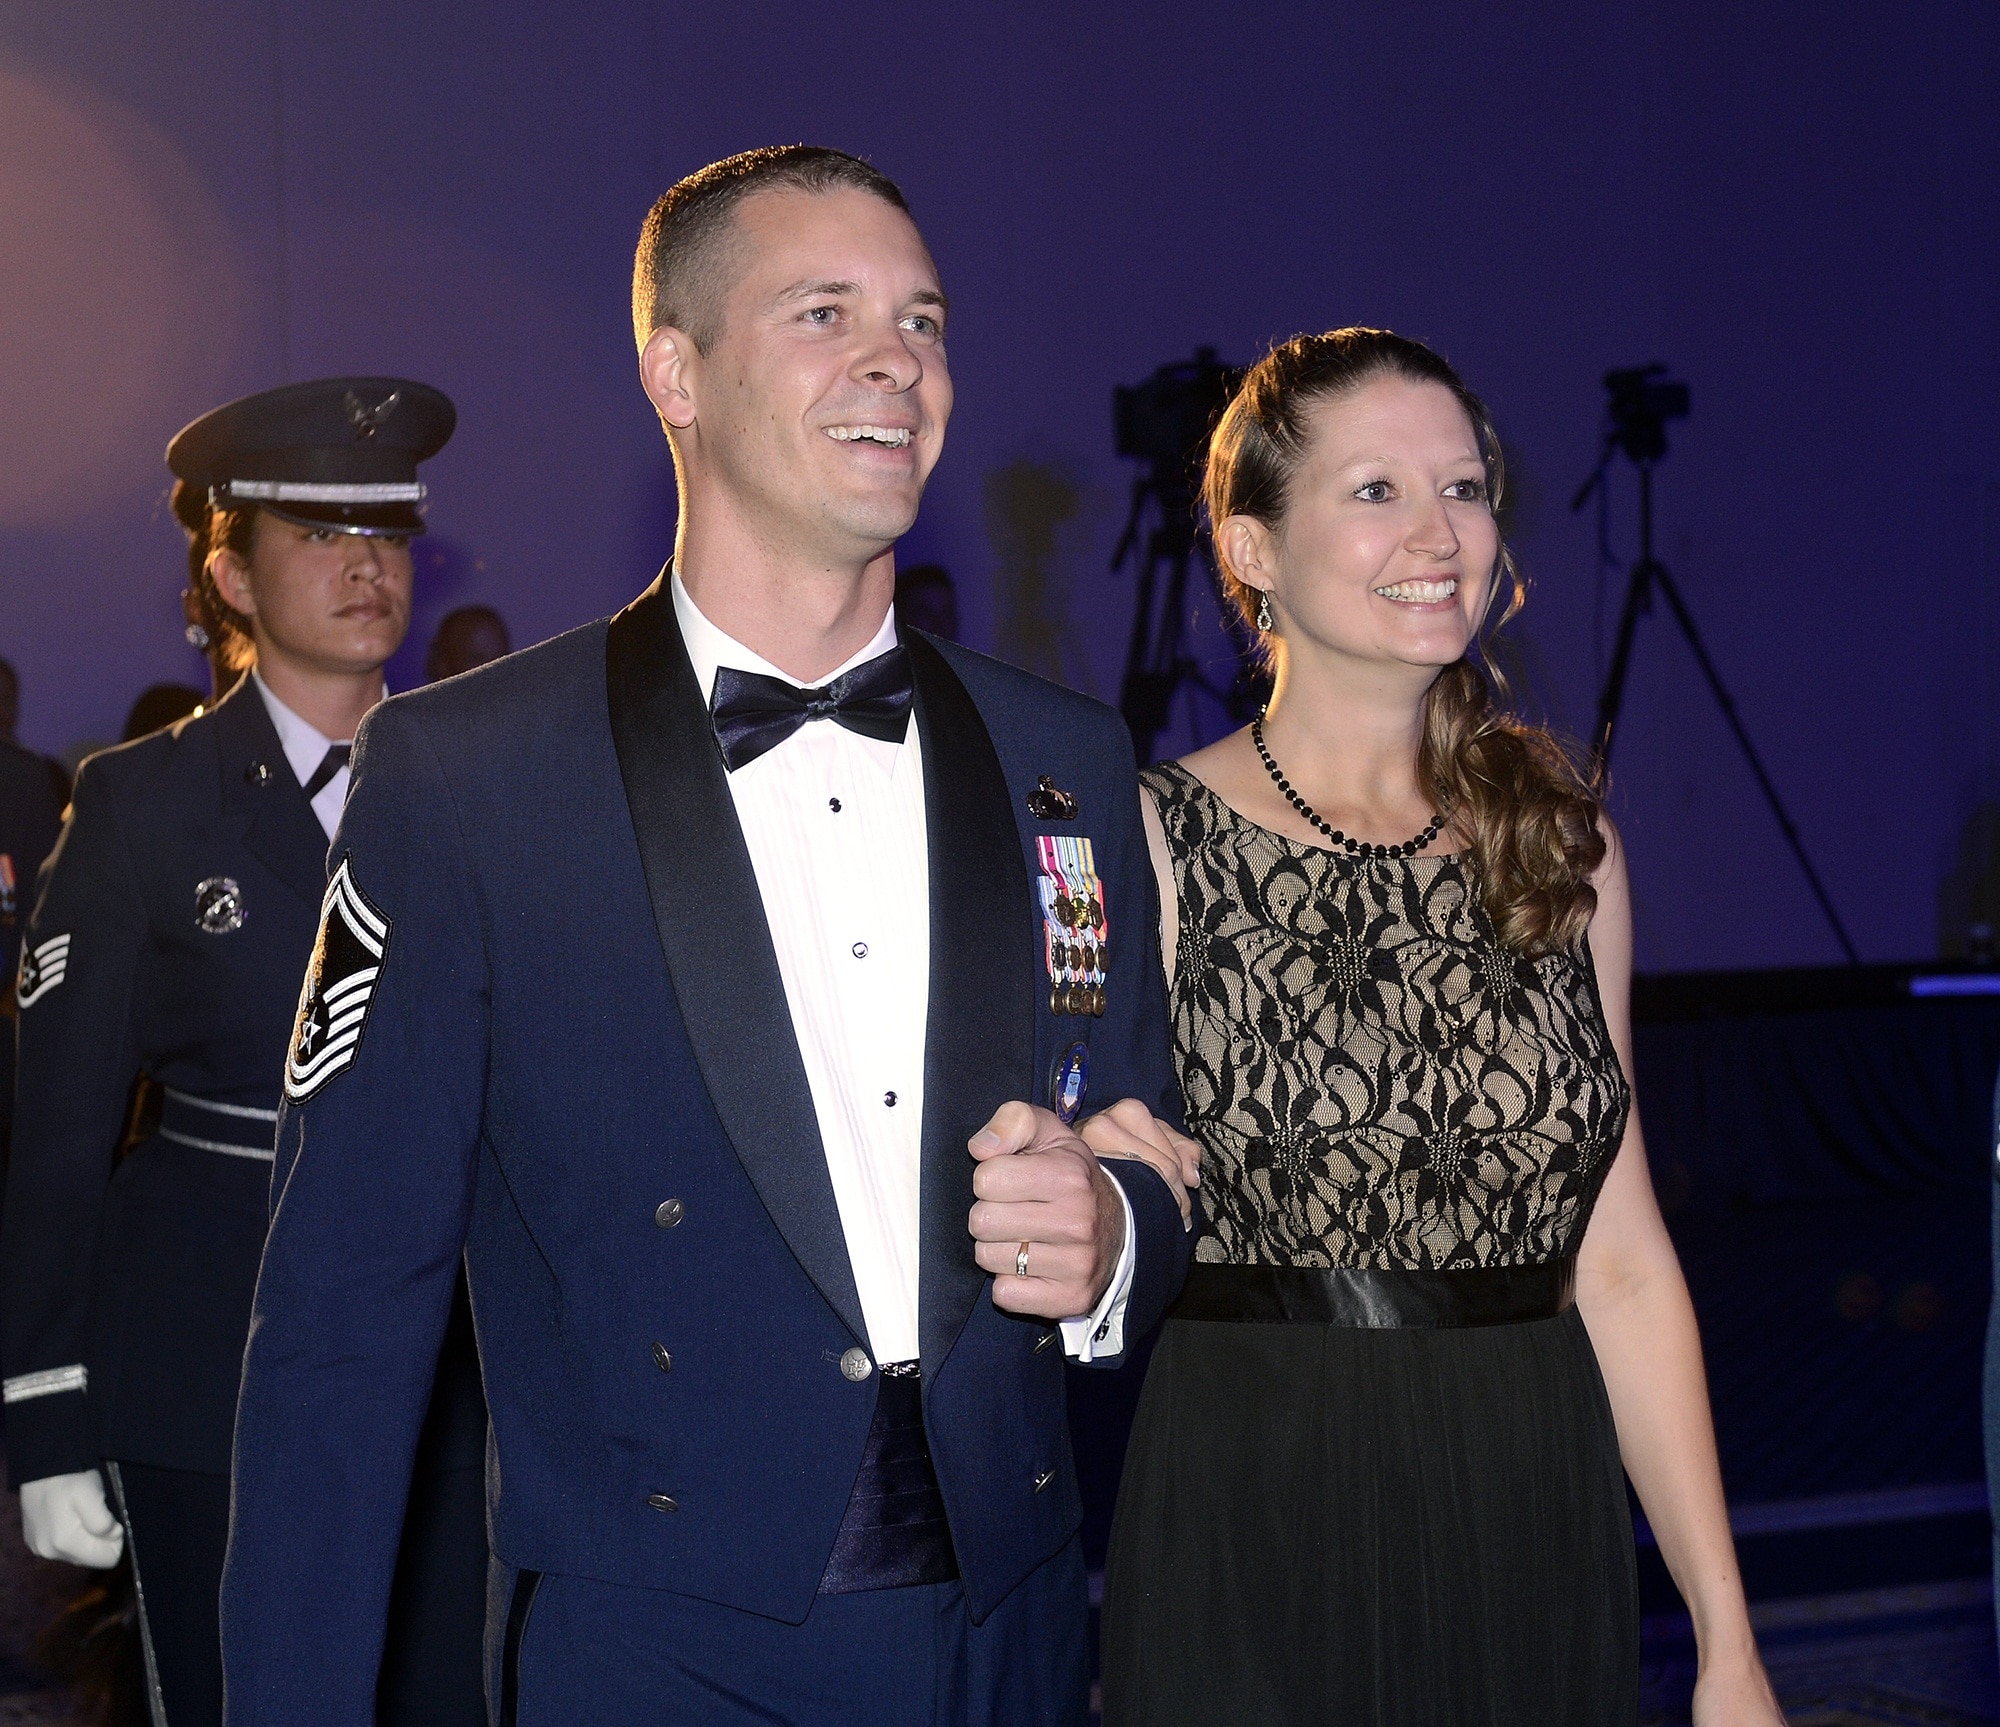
(1793, 207)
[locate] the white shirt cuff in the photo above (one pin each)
(1102, 1332)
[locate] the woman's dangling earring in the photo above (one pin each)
(197, 638)
(1264, 619)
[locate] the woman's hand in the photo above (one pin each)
(1736, 1693)
(1129, 1129)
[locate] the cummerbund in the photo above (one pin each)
(894, 1535)
(1369, 1300)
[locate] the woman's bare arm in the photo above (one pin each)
(1635, 1304)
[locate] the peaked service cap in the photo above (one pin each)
(334, 453)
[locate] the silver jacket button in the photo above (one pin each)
(661, 1359)
(662, 1502)
(856, 1366)
(670, 1213)
(1042, 1480)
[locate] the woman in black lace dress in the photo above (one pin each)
(1376, 1476)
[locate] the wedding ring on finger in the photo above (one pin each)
(1021, 1261)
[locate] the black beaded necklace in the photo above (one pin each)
(1354, 848)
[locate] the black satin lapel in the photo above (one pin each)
(717, 940)
(979, 1042)
(280, 828)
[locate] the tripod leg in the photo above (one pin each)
(1685, 619)
(1136, 696)
(1611, 703)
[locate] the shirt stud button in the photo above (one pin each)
(670, 1213)
(663, 1502)
(834, 805)
(861, 950)
(661, 1359)
(855, 1365)
(889, 1100)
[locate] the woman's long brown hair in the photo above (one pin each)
(1529, 814)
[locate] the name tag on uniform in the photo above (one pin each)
(1074, 927)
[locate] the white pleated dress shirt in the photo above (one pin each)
(305, 747)
(834, 823)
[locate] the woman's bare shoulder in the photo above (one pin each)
(1220, 765)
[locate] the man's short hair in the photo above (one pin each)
(677, 275)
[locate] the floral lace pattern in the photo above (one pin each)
(1374, 1081)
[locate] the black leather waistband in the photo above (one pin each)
(1378, 1300)
(894, 1534)
(231, 1129)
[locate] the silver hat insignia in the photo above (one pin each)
(367, 421)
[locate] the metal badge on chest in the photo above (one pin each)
(218, 905)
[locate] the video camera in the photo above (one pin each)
(1643, 400)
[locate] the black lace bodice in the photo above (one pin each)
(1374, 1081)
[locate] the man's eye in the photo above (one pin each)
(821, 314)
(398, 541)
(925, 326)
(322, 536)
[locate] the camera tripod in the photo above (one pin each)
(1165, 423)
(1640, 407)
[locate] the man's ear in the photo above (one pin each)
(231, 576)
(670, 370)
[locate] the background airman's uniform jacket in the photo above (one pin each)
(171, 931)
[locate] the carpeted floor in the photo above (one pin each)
(1876, 1658)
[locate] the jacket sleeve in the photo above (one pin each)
(377, 1139)
(75, 996)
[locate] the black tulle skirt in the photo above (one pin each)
(1398, 1528)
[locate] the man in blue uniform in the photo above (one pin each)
(703, 974)
(172, 922)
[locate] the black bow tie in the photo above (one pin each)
(753, 713)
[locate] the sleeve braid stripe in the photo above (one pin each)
(46, 1383)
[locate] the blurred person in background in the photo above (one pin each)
(174, 923)
(10, 719)
(159, 706)
(468, 637)
(927, 599)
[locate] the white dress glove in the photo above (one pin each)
(66, 1517)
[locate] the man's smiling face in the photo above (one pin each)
(820, 405)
